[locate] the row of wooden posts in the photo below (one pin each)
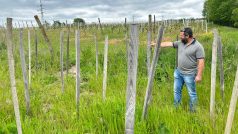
(217, 51)
(24, 71)
(132, 66)
(131, 58)
(132, 54)
(186, 23)
(131, 83)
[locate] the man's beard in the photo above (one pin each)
(185, 41)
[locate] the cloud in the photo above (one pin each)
(107, 10)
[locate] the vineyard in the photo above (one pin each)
(91, 96)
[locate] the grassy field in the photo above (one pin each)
(55, 112)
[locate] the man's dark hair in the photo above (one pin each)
(187, 32)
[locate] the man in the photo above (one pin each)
(190, 66)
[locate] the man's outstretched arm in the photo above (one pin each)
(164, 44)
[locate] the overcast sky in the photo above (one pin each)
(107, 10)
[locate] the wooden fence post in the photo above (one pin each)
(152, 72)
(105, 68)
(148, 52)
(221, 67)
(12, 74)
(29, 54)
(100, 25)
(77, 46)
(36, 43)
(131, 80)
(45, 37)
(127, 46)
(24, 73)
(232, 107)
(154, 26)
(67, 60)
(96, 47)
(213, 76)
(62, 58)
(149, 23)
(206, 26)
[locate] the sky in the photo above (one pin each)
(106, 10)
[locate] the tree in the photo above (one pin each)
(219, 11)
(234, 17)
(79, 21)
(204, 11)
(225, 11)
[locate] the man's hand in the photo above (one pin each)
(166, 44)
(153, 43)
(198, 79)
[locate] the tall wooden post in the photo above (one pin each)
(45, 37)
(152, 72)
(232, 107)
(29, 57)
(105, 68)
(96, 56)
(154, 27)
(148, 52)
(221, 67)
(62, 59)
(131, 80)
(12, 74)
(24, 73)
(67, 60)
(36, 45)
(213, 76)
(150, 23)
(77, 45)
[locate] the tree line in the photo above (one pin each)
(222, 12)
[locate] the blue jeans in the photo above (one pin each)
(189, 80)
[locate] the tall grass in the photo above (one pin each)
(54, 112)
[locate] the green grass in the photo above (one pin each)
(55, 112)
